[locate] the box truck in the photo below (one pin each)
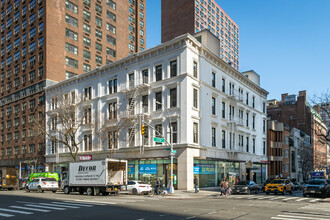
(95, 177)
(9, 178)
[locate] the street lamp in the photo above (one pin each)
(171, 145)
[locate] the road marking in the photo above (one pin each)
(210, 213)
(43, 206)
(25, 202)
(76, 204)
(289, 198)
(298, 200)
(262, 197)
(61, 206)
(6, 215)
(301, 217)
(283, 218)
(28, 208)
(95, 202)
(15, 211)
(314, 200)
(306, 214)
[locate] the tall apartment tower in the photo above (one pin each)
(192, 16)
(43, 42)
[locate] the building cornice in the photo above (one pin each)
(180, 42)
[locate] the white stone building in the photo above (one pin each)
(217, 115)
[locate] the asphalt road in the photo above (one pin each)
(22, 205)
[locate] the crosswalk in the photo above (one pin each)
(277, 198)
(32, 208)
(301, 215)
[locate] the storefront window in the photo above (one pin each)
(149, 171)
(211, 173)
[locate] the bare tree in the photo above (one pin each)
(306, 160)
(322, 105)
(63, 123)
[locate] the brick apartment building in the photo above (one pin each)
(191, 16)
(43, 42)
(297, 113)
(275, 148)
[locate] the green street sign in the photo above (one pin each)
(157, 139)
(168, 148)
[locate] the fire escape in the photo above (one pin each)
(131, 118)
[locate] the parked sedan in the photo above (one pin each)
(246, 187)
(138, 187)
(42, 184)
(317, 187)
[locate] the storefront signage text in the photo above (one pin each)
(204, 169)
(85, 157)
(131, 168)
(148, 169)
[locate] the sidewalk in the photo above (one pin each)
(203, 193)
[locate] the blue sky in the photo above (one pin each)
(287, 42)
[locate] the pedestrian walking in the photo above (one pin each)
(196, 184)
(226, 187)
(222, 191)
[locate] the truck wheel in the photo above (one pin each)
(134, 191)
(54, 191)
(290, 192)
(81, 191)
(90, 191)
(267, 193)
(105, 193)
(66, 190)
(284, 191)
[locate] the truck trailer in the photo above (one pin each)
(95, 177)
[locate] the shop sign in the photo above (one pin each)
(148, 169)
(318, 174)
(131, 168)
(85, 157)
(204, 169)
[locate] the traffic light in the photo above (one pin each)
(143, 129)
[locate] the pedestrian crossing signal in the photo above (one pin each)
(143, 129)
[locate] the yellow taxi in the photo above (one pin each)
(279, 186)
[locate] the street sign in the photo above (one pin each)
(172, 154)
(174, 151)
(157, 139)
(168, 148)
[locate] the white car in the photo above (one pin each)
(138, 187)
(43, 184)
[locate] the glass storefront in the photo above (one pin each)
(259, 173)
(149, 171)
(211, 173)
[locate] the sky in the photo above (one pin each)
(287, 42)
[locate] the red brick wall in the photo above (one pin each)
(178, 18)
